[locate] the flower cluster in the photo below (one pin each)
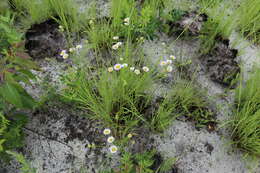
(113, 149)
(61, 29)
(118, 67)
(167, 63)
(64, 53)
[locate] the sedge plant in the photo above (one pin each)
(246, 120)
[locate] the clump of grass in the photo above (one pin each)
(248, 19)
(118, 98)
(246, 121)
(190, 102)
(34, 11)
(220, 23)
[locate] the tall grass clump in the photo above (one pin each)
(118, 98)
(246, 122)
(220, 23)
(248, 19)
(34, 11)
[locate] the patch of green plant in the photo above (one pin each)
(118, 98)
(248, 19)
(26, 167)
(15, 67)
(65, 12)
(146, 162)
(220, 23)
(246, 121)
(191, 103)
(11, 135)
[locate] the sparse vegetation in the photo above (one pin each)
(109, 78)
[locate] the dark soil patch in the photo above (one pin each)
(190, 22)
(209, 148)
(45, 40)
(220, 63)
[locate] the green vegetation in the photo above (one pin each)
(25, 165)
(143, 163)
(122, 91)
(246, 134)
(15, 68)
(248, 15)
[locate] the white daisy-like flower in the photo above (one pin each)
(106, 131)
(127, 19)
(163, 63)
(110, 139)
(119, 43)
(115, 38)
(61, 28)
(117, 67)
(72, 49)
(124, 65)
(113, 149)
(110, 69)
(136, 71)
(172, 57)
(169, 68)
(163, 43)
(115, 46)
(169, 61)
(79, 46)
(63, 52)
(91, 22)
(146, 69)
(65, 56)
(121, 59)
(129, 135)
(132, 68)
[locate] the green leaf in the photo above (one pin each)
(10, 93)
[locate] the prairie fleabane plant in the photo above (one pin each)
(118, 98)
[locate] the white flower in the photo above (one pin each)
(79, 46)
(113, 149)
(115, 38)
(119, 43)
(172, 57)
(121, 59)
(110, 69)
(115, 46)
(169, 61)
(146, 69)
(163, 63)
(127, 21)
(163, 43)
(63, 52)
(124, 65)
(169, 69)
(91, 22)
(110, 139)
(117, 67)
(65, 56)
(132, 68)
(106, 131)
(72, 49)
(136, 71)
(61, 28)
(129, 135)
